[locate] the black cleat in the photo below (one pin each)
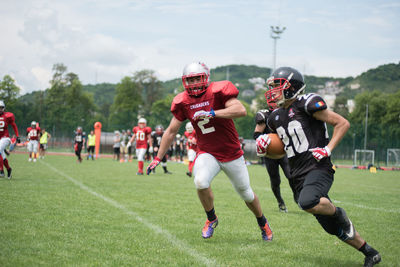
(371, 260)
(9, 176)
(2, 173)
(282, 207)
(347, 228)
(167, 172)
(189, 174)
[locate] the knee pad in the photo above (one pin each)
(201, 182)
(306, 202)
(328, 223)
(246, 193)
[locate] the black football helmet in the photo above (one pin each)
(159, 129)
(284, 81)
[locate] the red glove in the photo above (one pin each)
(153, 165)
(262, 143)
(320, 152)
(76, 147)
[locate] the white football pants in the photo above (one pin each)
(206, 167)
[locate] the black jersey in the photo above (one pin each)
(156, 138)
(79, 137)
(262, 117)
(300, 131)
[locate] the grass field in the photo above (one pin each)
(99, 213)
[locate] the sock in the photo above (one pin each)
(141, 163)
(261, 220)
(165, 168)
(6, 164)
(367, 250)
(211, 215)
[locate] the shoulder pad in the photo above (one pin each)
(262, 115)
(226, 87)
(313, 103)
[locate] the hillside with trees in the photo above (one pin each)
(68, 103)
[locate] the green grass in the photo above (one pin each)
(99, 213)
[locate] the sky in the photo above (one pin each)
(104, 40)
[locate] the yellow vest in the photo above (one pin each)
(91, 140)
(43, 138)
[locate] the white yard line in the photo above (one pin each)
(181, 245)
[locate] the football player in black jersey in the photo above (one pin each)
(272, 165)
(79, 142)
(301, 124)
(157, 136)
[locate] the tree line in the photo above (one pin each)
(67, 104)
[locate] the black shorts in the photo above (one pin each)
(312, 186)
(90, 149)
(117, 150)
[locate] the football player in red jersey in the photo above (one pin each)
(210, 107)
(191, 144)
(6, 119)
(32, 134)
(301, 123)
(142, 135)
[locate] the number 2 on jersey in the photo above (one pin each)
(203, 129)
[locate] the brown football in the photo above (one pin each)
(275, 149)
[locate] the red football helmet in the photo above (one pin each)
(195, 78)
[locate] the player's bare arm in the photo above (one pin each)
(340, 125)
(169, 137)
(233, 109)
(260, 128)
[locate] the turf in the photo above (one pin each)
(56, 212)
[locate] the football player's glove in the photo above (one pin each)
(262, 143)
(201, 114)
(129, 144)
(320, 152)
(151, 149)
(153, 165)
(76, 147)
(18, 140)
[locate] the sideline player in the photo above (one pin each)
(301, 124)
(6, 119)
(91, 143)
(191, 144)
(142, 135)
(44, 138)
(272, 165)
(32, 134)
(210, 107)
(79, 142)
(157, 137)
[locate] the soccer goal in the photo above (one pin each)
(393, 157)
(363, 157)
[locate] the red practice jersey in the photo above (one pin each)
(141, 136)
(216, 136)
(191, 140)
(33, 133)
(6, 119)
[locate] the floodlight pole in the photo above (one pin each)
(366, 126)
(276, 31)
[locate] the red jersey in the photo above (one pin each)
(191, 140)
(216, 136)
(6, 119)
(33, 133)
(141, 136)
